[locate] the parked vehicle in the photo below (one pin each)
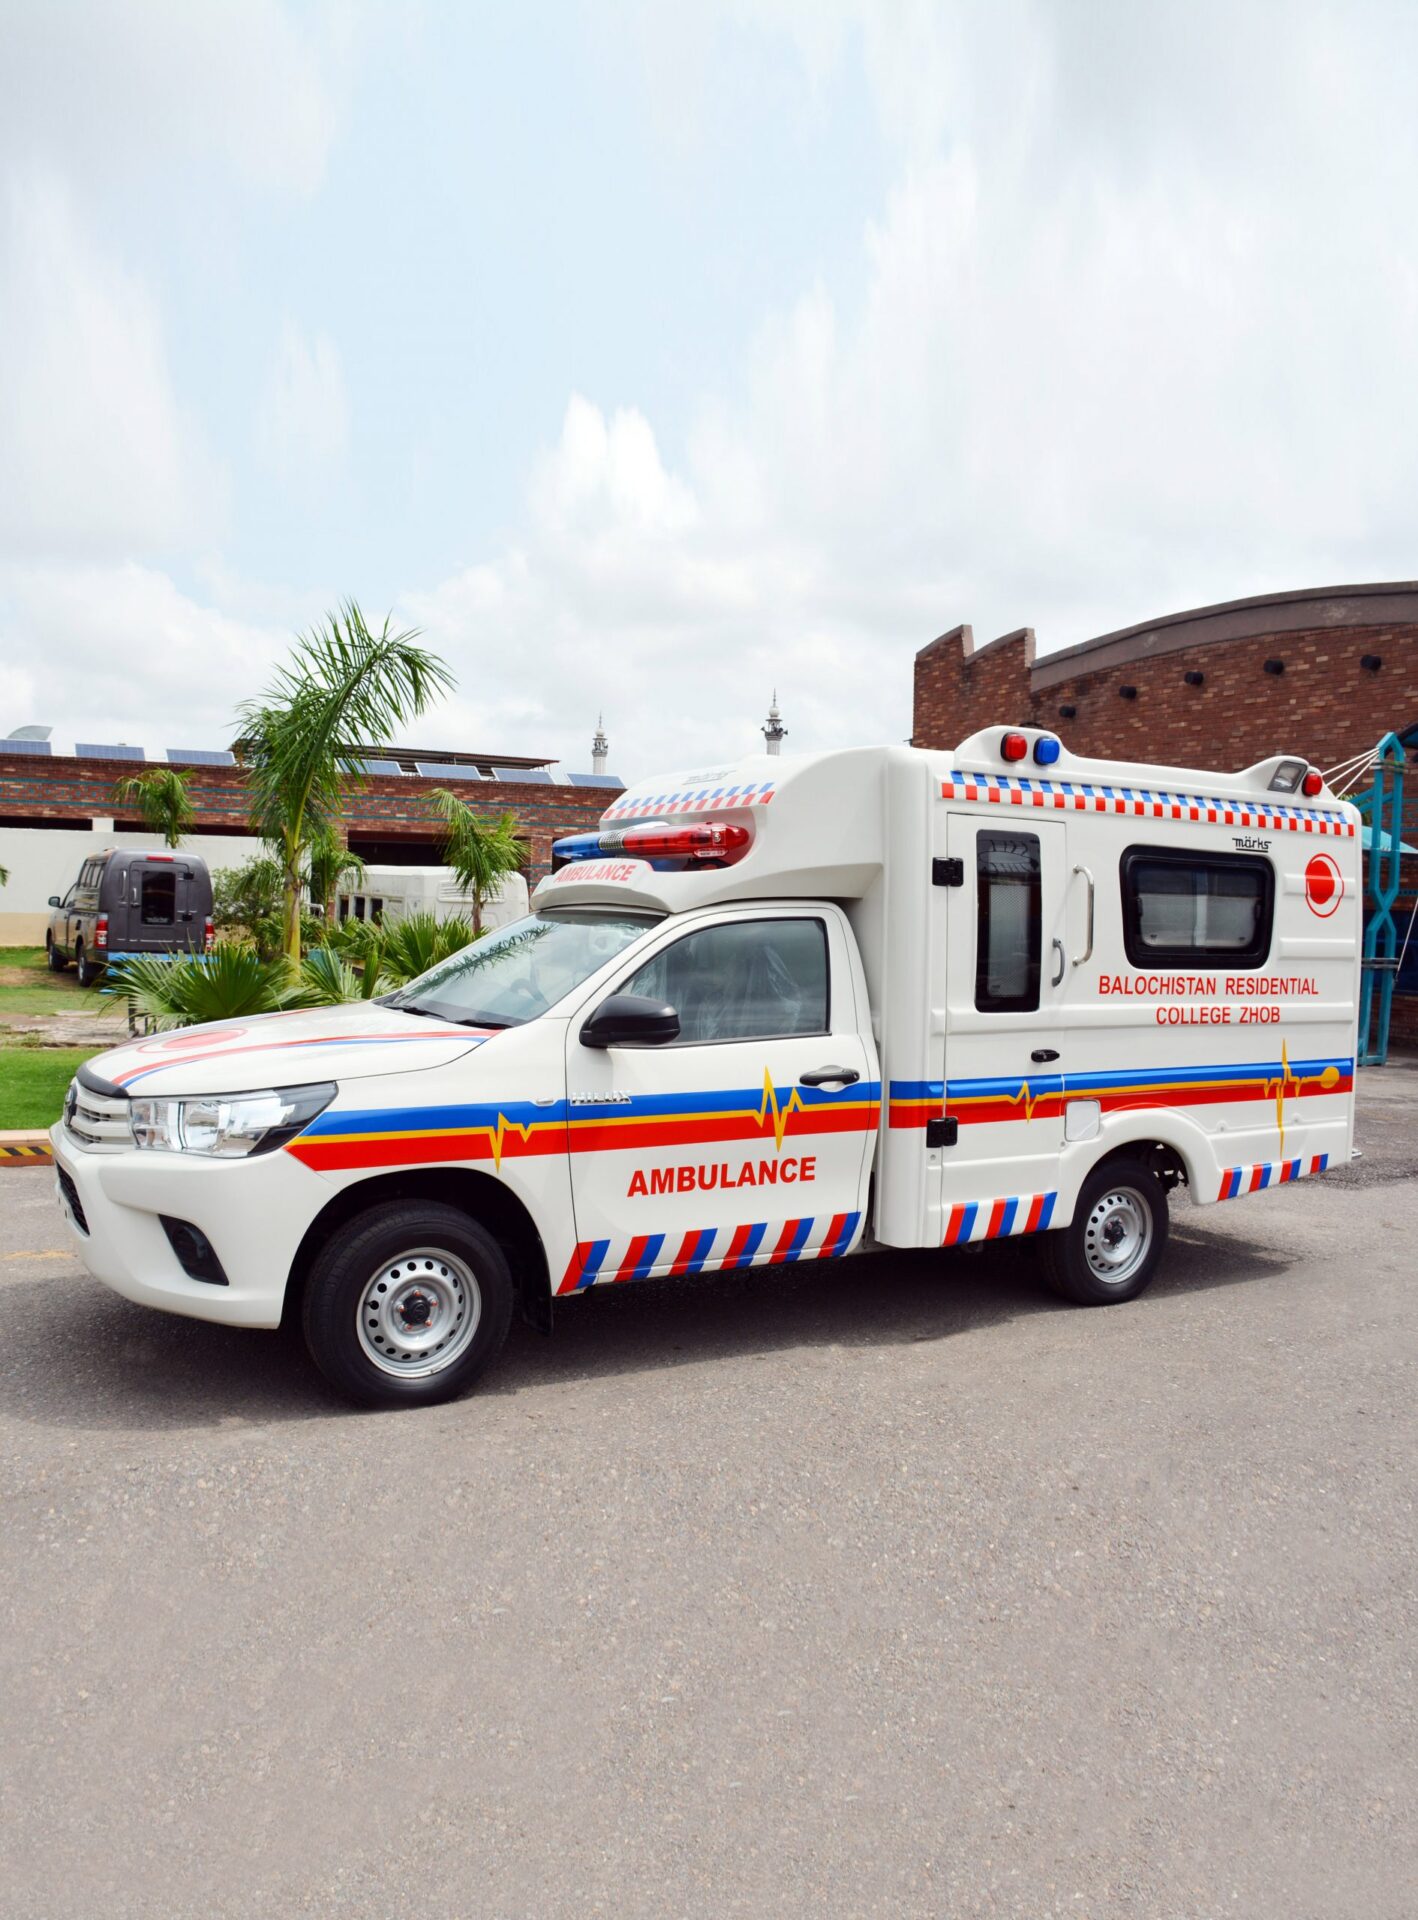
(386, 894)
(126, 902)
(771, 1012)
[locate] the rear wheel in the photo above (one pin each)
(1110, 1249)
(88, 974)
(407, 1304)
(52, 954)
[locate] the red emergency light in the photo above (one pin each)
(717, 840)
(1014, 746)
(1311, 784)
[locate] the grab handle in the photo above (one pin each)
(1059, 950)
(829, 1076)
(1087, 953)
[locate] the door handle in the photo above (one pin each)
(1059, 950)
(1087, 953)
(823, 1076)
(1041, 1054)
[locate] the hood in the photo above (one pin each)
(287, 1050)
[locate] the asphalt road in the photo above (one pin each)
(892, 1588)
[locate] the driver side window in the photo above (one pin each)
(749, 980)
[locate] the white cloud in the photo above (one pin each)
(141, 661)
(143, 84)
(303, 422)
(98, 456)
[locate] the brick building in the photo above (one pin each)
(56, 807)
(1322, 672)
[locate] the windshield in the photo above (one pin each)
(511, 976)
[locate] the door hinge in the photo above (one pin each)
(942, 1133)
(947, 873)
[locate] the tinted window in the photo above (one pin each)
(1009, 922)
(511, 976)
(158, 897)
(749, 980)
(1179, 907)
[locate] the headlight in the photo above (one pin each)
(227, 1125)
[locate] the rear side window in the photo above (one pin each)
(1009, 922)
(746, 980)
(1179, 907)
(158, 898)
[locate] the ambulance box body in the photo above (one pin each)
(766, 1013)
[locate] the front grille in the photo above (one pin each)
(97, 1122)
(71, 1198)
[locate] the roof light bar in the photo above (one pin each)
(704, 843)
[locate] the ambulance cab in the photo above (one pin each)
(766, 1013)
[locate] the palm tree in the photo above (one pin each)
(343, 685)
(160, 796)
(330, 862)
(479, 851)
(185, 990)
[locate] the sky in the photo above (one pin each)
(648, 358)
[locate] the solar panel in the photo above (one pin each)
(594, 780)
(200, 757)
(86, 751)
(377, 766)
(24, 746)
(433, 770)
(524, 776)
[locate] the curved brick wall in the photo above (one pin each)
(1324, 705)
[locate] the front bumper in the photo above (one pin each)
(254, 1212)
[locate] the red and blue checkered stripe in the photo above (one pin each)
(1269, 1173)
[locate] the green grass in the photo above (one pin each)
(33, 1081)
(27, 986)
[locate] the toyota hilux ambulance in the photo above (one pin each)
(766, 1013)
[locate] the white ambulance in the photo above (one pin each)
(767, 1013)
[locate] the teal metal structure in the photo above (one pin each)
(1382, 808)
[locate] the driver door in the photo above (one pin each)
(747, 1140)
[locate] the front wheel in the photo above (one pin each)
(407, 1304)
(52, 955)
(1110, 1249)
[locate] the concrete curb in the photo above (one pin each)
(24, 1147)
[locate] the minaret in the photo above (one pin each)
(774, 732)
(600, 746)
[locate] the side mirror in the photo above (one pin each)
(55, 901)
(630, 1020)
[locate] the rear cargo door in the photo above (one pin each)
(1006, 980)
(156, 895)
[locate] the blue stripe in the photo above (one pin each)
(701, 1249)
(649, 1257)
(967, 1222)
(844, 1238)
(798, 1241)
(593, 1264)
(918, 1089)
(1011, 1207)
(1324, 1161)
(750, 1245)
(1046, 1212)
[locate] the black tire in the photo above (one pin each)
(88, 975)
(53, 956)
(440, 1257)
(1120, 1198)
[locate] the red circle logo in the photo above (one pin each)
(186, 1042)
(1324, 885)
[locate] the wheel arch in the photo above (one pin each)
(483, 1198)
(1171, 1144)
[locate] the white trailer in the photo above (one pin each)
(387, 894)
(766, 1013)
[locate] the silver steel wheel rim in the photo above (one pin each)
(418, 1313)
(1117, 1235)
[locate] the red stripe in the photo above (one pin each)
(736, 1245)
(834, 1234)
(785, 1240)
(952, 1230)
(686, 1252)
(632, 1258)
(1036, 1207)
(1253, 1185)
(996, 1216)
(575, 1266)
